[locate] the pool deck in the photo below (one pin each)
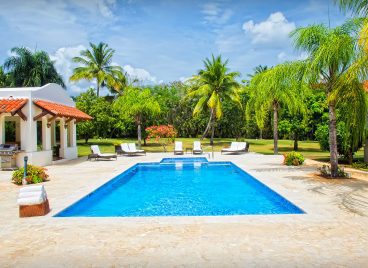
(333, 232)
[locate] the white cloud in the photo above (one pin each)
(140, 74)
(214, 13)
(98, 7)
(283, 56)
(274, 30)
(64, 66)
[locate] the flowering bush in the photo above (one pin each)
(34, 175)
(162, 131)
(293, 159)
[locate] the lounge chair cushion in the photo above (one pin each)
(197, 146)
(134, 149)
(32, 188)
(125, 147)
(178, 146)
(36, 199)
(242, 146)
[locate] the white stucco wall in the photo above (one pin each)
(28, 132)
(40, 158)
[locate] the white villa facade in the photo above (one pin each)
(41, 121)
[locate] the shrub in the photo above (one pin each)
(34, 175)
(162, 131)
(293, 159)
(360, 165)
(325, 171)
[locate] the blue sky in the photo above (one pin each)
(164, 40)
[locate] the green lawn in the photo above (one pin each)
(310, 149)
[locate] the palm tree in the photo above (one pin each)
(358, 7)
(213, 85)
(97, 65)
(280, 86)
(31, 69)
(257, 70)
(333, 54)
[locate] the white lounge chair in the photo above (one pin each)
(178, 148)
(130, 149)
(133, 148)
(197, 147)
(96, 154)
(236, 147)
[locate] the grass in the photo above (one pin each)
(310, 149)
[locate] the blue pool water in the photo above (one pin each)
(181, 187)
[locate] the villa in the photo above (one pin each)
(44, 119)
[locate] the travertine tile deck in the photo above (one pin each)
(333, 232)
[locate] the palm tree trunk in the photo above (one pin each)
(275, 126)
(333, 139)
(98, 88)
(208, 125)
(296, 142)
(366, 151)
(213, 133)
(139, 130)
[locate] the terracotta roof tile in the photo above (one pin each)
(62, 110)
(11, 105)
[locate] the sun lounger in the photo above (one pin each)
(236, 148)
(178, 147)
(133, 148)
(96, 154)
(32, 201)
(197, 147)
(130, 149)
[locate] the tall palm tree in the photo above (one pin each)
(30, 69)
(210, 87)
(96, 63)
(257, 70)
(360, 8)
(333, 54)
(280, 86)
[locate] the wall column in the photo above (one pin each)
(28, 133)
(53, 133)
(72, 133)
(63, 138)
(2, 129)
(46, 135)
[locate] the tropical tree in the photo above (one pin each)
(358, 7)
(332, 53)
(211, 87)
(3, 78)
(96, 64)
(138, 105)
(257, 70)
(280, 86)
(31, 69)
(104, 120)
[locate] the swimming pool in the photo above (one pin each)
(181, 187)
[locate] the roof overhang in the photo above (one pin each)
(13, 106)
(57, 110)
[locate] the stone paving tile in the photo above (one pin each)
(332, 233)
